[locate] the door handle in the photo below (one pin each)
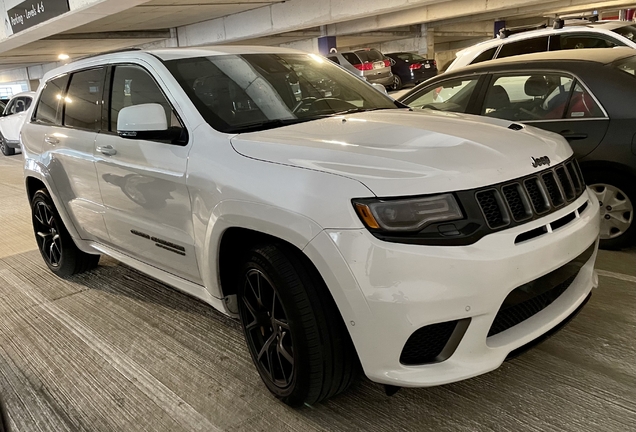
(570, 135)
(107, 150)
(51, 140)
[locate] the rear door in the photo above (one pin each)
(554, 101)
(143, 183)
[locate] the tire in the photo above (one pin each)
(617, 197)
(55, 243)
(397, 83)
(6, 150)
(314, 356)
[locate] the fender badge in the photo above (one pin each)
(543, 160)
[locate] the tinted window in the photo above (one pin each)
(10, 109)
(133, 85)
(627, 65)
(526, 46)
(370, 55)
(351, 58)
(46, 109)
(575, 41)
(629, 31)
(21, 104)
(485, 56)
(583, 105)
(452, 95)
(334, 59)
(82, 104)
(528, 97)
(408, 57)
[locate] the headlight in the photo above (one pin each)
(410, 214)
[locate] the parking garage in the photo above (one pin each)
(498, 313)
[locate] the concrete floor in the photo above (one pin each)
(113, 350)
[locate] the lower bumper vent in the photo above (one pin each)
(433, 343)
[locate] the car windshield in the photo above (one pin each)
(627, 65)
(249, 92)
(628, 31)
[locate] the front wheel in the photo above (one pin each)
(55, 243)
(6, 150)
(294, 332)
(616, 195)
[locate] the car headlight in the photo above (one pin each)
(409, 214)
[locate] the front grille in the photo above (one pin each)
(427, 343)
(531, 298)
(531, 196)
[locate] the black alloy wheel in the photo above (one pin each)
(397, 82)
(47, 234)
(59, 251)
(294, 332)
(267, 329)
(6, 150)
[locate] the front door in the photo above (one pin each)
(143, 183)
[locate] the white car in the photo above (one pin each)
(342, 231)
(600, 34)
(11, 121)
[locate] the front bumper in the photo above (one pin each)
(12, 143)
(387, 291)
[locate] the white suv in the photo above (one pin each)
(600, 34)
(342, 230)
(11, 121)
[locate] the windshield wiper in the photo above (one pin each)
(358, 110)
(267, 124)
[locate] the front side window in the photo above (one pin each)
(628, 31)
(53, 92)
(239, 93)
(334, 59)
(453, 95)
(580, 40)
(526, 46)
(133, 85)
(82, 103)
(21, 104)
(528, 97)
(10, 108)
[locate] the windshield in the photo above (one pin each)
(244, 93)
(627, 65)
(628, 31)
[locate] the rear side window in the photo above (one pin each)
(583, 105)
(83, 100)
(452, 95)
(46, 109)
(581, 40)
(352, 58)
(527, 46)
(485, 56)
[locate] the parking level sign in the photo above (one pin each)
(29, 13)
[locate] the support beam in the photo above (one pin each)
(144, 34)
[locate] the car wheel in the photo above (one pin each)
(55, 243)
(616, 195)
(6, 150)
(397, 83)
(294, 332)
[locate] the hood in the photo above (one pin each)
(402, 152)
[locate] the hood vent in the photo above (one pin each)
(515, 126)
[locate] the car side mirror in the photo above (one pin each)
(146, 122)
(380, 88)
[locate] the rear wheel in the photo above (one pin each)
(397, 83)
(616, 195)
(294, 332)
(6, 150)
(55, 243)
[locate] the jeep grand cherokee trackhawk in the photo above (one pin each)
(345, 231)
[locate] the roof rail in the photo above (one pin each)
(505, 32)
(108, 52)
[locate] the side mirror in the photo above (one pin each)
(146, 122)
(380, 88)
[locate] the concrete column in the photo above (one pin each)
(430, 41)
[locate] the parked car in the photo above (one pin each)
(11, 122)
(409, 68)
(343, 231)
(573, 35)
(586, 96)
(369, 64)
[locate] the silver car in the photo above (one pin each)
(368, 63)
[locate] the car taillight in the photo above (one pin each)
(434, 63)
(387, 63)
(364, 66)
(415, 66)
